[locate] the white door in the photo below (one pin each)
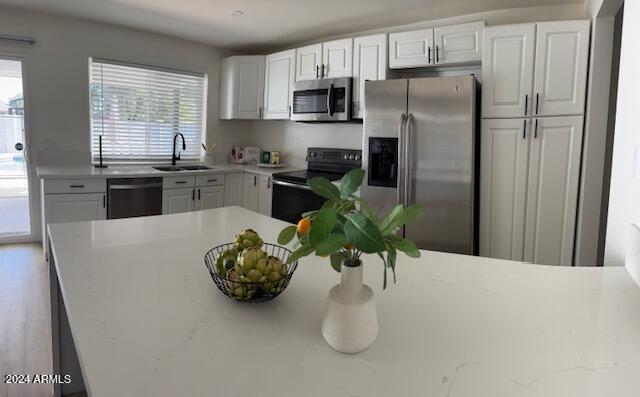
(552, 200)
(279, 77)
(504, 161)
(233, 186)
(369, 63)
(264, 195)
(337, 58)
(249, 87)
(562, 55)
(507, 70)
(458, 43)
(177, 200)
(411, 49)
(208, 197)
(250, 192)
(80, 207)
(308, 60)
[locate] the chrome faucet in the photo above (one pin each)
(184, 147)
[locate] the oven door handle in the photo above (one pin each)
(293, 185)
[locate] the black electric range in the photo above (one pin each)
(292, 196)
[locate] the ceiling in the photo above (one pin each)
(266, 23)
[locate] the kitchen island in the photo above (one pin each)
(147, 320)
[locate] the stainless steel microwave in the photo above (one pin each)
(322, 100)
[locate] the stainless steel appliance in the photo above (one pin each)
(292, 196)
(130, 197)
(420, 147)
(322, 100)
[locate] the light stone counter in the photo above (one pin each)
(147, 320)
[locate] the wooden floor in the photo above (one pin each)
(25, 335)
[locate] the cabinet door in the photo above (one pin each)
(308, 60)
(250, 192)
(208, 197)
(369, 63)
(264, 195)
(177, 200)
(507, 70)
(411, 49)
(553, 190)
(279, 77)
(249, 87)
(562, 54)
(233, 187)
(458, 43)
(61, 208)
(504, 162)
(337, 58)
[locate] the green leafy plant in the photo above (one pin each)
(345, 227)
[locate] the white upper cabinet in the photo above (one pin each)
(503, 187)
(411, 49)
(308, 60)
(507, 70)
(458, 43)
(279, 78)
(553, 190)
(369, 63)
(337, 58)
(562, 52)
(242, 87)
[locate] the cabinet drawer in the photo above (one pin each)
(175, 182)
(62, 186)
(210, 180)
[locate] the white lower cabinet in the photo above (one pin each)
(265, 190)
(529, 188)
(178, 200)
(554, 169)
(250, 192)
(503, 187)
(233, 190)
(209, 197)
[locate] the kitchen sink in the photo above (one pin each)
(195, 167)
(169, 168)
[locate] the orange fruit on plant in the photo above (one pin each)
(304, 225)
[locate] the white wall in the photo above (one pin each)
(57, 92)
(624, 199)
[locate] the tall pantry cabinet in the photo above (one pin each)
(533, 98)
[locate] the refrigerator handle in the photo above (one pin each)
(400, 177)
(407, 159)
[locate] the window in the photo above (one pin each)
(138, 110)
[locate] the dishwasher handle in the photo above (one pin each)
(134, 187)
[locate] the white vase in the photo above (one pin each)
(350, 324)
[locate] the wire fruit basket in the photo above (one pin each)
(249, 291)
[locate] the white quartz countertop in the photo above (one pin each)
(147, 320)
(124, 171)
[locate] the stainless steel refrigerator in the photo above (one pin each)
(419, 147)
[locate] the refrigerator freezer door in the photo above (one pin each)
(384, 118)
(441, 130)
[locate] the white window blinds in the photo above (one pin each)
(138, 111)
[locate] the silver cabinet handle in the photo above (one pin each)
(293, 185)
(76, 186)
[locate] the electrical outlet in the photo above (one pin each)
(636, 161)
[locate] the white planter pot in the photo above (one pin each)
(350, 324)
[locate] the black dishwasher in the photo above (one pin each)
(131, 197)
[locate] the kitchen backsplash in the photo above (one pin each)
(292, 139)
